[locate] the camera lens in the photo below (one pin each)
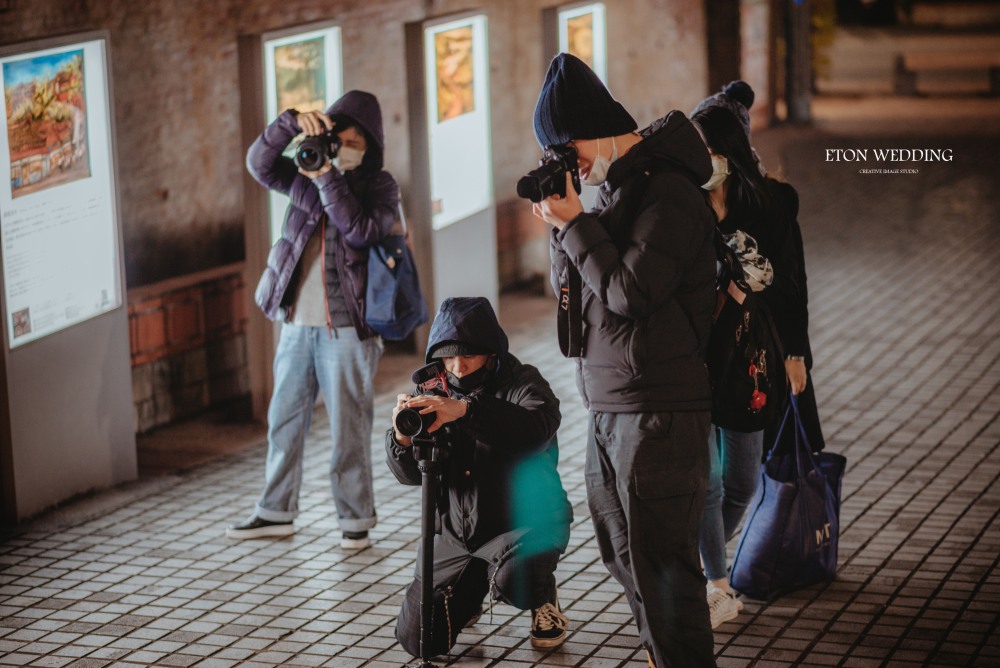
(409, 422)
(311, 152)
(545, 181)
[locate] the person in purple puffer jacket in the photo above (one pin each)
(315, 284)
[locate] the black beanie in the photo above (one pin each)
(574, 104)
(456, 348)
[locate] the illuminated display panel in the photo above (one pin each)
(58, 204)
(582, 33)
(304, 72)
(458, 120)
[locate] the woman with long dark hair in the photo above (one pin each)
(757, 217)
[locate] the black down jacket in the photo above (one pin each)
(501, 474)
(647, 262)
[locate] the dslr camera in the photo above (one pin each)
(549, 178)
(410, 422)
(312, 152)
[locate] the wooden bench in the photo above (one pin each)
(908, 64)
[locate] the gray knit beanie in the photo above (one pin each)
(737, 97)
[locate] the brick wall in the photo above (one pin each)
(176, 84)
(177, 114)
(188, 345)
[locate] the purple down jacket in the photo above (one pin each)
(360, 207)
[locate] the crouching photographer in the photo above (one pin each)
(503, 516)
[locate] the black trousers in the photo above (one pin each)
(646, 478)
(517, 567)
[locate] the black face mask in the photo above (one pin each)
(472, 381)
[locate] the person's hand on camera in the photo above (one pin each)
(401, 400)
(558, 211)
(446, 408)
(315, 123)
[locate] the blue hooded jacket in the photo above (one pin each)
(358, 207)
(502, 474)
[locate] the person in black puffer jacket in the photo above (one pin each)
(636, 279)
(503, 515)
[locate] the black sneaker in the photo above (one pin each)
(548, 626)
(355, 540)
(256, 527)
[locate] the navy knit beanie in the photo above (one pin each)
(574, 104)
(737, 97)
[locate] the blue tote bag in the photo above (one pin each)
(789, 538)
(394, 303)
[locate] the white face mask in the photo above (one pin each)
(348, 158)
(599, 170)
(720, 170)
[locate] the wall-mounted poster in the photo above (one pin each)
(455, 73)
(582, 33)
(46, 121)
(457, 82)
(301, 71)
(58, 205)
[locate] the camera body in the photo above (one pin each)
(312, 152)
(411, 423)
(549, 178)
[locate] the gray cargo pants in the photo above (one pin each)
(646, 478)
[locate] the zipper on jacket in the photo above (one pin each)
(322, 268)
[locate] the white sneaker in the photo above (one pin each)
(355, 540)
(723, 605)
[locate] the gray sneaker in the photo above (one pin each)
(256, 527)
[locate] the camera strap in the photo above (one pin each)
(570, 314)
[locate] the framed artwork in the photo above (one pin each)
(58, 204)
(455, 72)
(582, 32)
(456, 75)
(303, 71)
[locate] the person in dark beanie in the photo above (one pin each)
(736, 97)
(315, 283)
(636, 279)
(756, 208)
(504, 517)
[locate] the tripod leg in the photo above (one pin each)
(429, 483)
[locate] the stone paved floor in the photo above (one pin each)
(905, 325)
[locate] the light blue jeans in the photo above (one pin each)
(310, 360)
(732, 481)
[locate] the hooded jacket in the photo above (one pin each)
(354, 210)
(500, 475)
(646, 258)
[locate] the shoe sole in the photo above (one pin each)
(352, 544)
(276, 531)
(729, 616)
(548, 643)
